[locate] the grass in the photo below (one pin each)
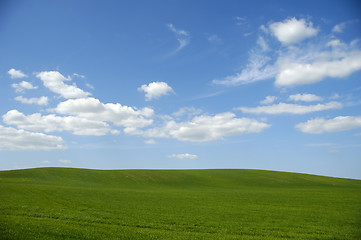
(65, 203)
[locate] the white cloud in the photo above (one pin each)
(268, 100)
(306, 63)
(292, 30)
(189, 111)
(150, 141)
(89, 85)
(38, 101)
(305, 97)
(204, 128)
(241, 20)
(263, 29)
(93, 109)
(338, 28)
(183, 37)
(335, 43)
(155, 90)
(183, 156)
(45, 161)
(64, 161)
(13, 139)
(257, 69)
(16, 73)
(23, 85)
(53, 123)
(79, 75)
(335, 96)
(282, 108)
(306, 73)
(214, 39)
(263, 44)
(333, 150)
(54, 81)
(337, 124)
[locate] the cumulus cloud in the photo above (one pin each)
(305, 97)
(13, 139)
(205, 128)
(23, 85)
(292, 74)
(93, 109)
(53, 123)
(155, 90)
(337, 124)
(38, 101)
(183, 37)
(282, 108)
(306, 63)
(268, 100)
(54, 81)
(183, 156)
(16, 73)
(292, 30)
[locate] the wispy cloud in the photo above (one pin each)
(182, 36)
(339, 28)
(64, 161)
(188, 111)
(214, 39)
(240, 20)
(79, 75)
(183, 156)
(286, 108)
(150, 141)
(257, 69)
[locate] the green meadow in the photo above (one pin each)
(66, 203)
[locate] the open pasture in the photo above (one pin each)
(65, 203)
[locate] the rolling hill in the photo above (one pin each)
(67, 203)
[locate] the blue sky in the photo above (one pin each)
(181, 84)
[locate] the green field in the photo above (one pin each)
(65, 203)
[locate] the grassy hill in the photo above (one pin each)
(65, 203)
